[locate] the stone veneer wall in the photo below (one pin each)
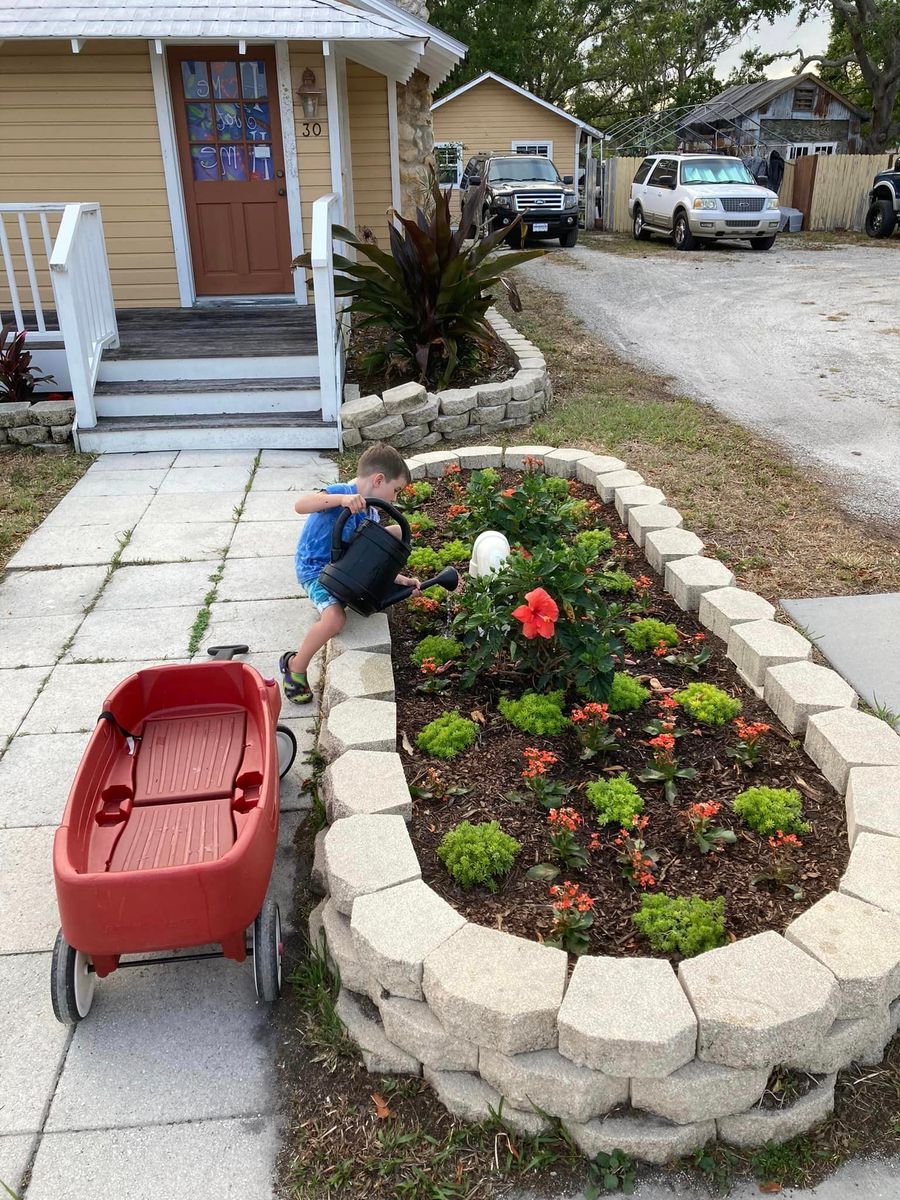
(415, 131)
(487, 1017)
(408, 416)
(46, 424)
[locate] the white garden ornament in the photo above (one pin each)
(490, 551)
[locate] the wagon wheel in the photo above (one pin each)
(287, 749)
(71, 982)
(267, 950)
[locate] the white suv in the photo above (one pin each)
(694, 197)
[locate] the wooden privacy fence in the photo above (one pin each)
(831, 191)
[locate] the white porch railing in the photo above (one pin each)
(70, 253)
(330, 314)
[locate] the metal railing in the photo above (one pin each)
(84, 311)
(330, 312)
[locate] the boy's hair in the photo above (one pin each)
(385, 459)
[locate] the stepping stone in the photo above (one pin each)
(366, 854)
(728, 606)
(761, 1125)
(687, 579)
(700, 1091)
(844, 738)
(754, 646)
(546, 1079)
(667, 545)
(365, 781)
(795, 691)
(873, 801)
(873, 873)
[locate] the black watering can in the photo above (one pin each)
(362, 571)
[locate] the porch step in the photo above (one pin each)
(119, 366)
(182, 397)
(197, 431)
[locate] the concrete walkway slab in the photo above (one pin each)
(73, 696)
(65, 590)
(32, 1046)
(28, 915)
(299, 459)
(180, 541)
(270, 506)
(146, 460)
(236, 460)
(860, 637)
(57, 546)
(259, 579)
(265, 625)
(265, 539)
(196, 1160)
(36, 774)
(25, 642)
(73, 511)
(304, 477)
(163, 585)
(18, 690)
(176, 1042)
(118, 483)
(178, 507)
(15, 1155)
(204, 479)
(126, 634)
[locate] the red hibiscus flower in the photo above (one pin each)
(538, 614)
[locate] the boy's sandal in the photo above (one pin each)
(295, 685)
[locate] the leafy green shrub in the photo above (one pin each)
(532, 713)
(448, 735)
(414, 495)
(647, 633)
(441, 649)
(768, 809)
(454, 552)
(533, 510)
(424, 561)
(616, 800)
(594, 542)
(616, 581)
(555, 487)
(420, 523)
(683, 925)
(626, 693)
(477, 853)
(708, 704)
(486, 477)
(436, 592)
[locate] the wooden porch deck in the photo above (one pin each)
(217, 331)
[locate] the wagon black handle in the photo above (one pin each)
(337, 544)
(226, 653)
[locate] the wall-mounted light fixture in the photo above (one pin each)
(309, 94)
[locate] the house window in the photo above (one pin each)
(448, 157)
(804, 98)
(803, 149)
(544, 149)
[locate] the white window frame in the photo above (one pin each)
(531, 146)
(804, 149)
(460, 160)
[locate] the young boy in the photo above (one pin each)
(380, 473)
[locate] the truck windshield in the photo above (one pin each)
(522, 170)
(715, 170)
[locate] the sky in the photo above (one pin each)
(781, 34)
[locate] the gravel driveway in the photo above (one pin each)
(801, 345)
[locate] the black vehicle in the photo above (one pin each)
(523, 185)
(884, 203)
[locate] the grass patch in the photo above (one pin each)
(778, 529)
(31, 484)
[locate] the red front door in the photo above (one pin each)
(232, 166)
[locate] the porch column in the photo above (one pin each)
(339, 180)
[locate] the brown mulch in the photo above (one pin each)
(490, 771)
(492, 365)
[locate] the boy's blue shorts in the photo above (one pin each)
(319, 595)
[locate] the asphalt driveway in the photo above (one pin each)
(801, 345)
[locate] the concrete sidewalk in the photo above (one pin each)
(168, 1087)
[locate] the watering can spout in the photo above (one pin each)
(448, 579)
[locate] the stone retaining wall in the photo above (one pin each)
(46, 424)
(494, 1021)
(409, 417)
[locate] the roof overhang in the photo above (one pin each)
(514, 87)
(442, 52)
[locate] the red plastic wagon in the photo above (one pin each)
(169, 833)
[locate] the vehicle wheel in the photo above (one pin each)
(684, 239)
(569, 238)
(880, 219)
(765, 243)
(638, 232)
(484, 227)
(287, 749)
(267, 949)
(71, 982)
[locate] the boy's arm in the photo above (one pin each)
(314, 502)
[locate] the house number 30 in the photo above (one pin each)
(313, 129)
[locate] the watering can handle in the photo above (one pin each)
(337, 543)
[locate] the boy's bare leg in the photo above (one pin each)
(329, 625)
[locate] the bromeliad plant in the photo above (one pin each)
(428, 297)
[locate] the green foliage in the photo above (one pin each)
(647, 633)
(423, 562)
(614, 1172)
(487, 477)
(626, 693)
(420, 523)
(477, 854)
(556, 488)
(616, 800)
(594, 542)
(768, 809)
(708, 704)
(441, 649)
(428, 298)
(454, 552)
(683, 925)
(536, 510)
(448, 735)
(540, 715)
(414, 495)
(616, 581)
(436, 592)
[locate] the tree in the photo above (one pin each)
(862, 60)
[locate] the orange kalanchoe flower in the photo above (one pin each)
(457, 510)
(428, 666)
(508, 492)
(662, 648)
(538, 614)
(748, 732)
(537, 762)
(587, 712)
(642, 583)
(564, 818)
(669, 703)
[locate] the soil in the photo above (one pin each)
(490, 773)
(492, 365)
